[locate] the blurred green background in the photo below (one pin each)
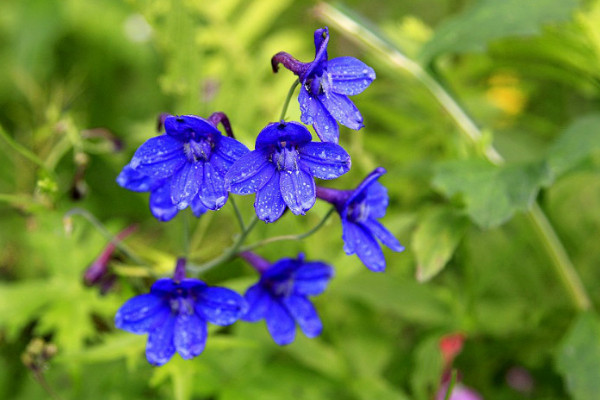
(81, 84)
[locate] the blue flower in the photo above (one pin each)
(174, 315)
(184, 167)
(281, 169)
(161, 204)
(281, 298)
(326, 85)
(359, 211)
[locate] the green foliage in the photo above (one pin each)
(489, 20)
(578, 358)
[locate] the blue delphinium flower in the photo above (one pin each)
(359, 210)
(281, 296)
(174, 315)
(326, 85)
(184, 167)
(281, 169)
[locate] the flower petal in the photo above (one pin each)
(186, 127)
(377, 199)
(277, 132)
(160, 347)
(230, 149)
(161, 205)
(312, 278)
(314, 113)
(359, 241)
(190, 335)
(305, 315)
(185, 184)
(381, 233)
(298, 190)
(159, 157)
(250, 173)
(136, 181)
(258, 302)
(220, 306)
(140, 313)
(324, 160)
(280, 324)
(269, 204)
(342, 109)
(198, 207)
(212, 188)
(347, 75)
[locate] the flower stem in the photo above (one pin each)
(105, 232)
(227, 255)
(451, 384)
(238, 214)
(287, 99)
(289, 237)
(390, 54)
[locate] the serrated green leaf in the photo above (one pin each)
(577, 141)
(489, 20)
(436, 239)
(578, 359)
(492, 194)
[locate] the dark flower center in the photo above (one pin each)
(285, 157)
(198, 150)
(314, 86)
(358, 210)
(281, 288)
(181, 302)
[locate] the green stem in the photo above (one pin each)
(238, 214)
(105, 232)
(289, 237)
(450, 385)
(19, 148)
(388, 53)
(227, 255)
(186, 235)
(287, 99)
(560, 259)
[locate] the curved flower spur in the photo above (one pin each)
(184, 167)
(326, 85)
(359, 210)
(282, 168)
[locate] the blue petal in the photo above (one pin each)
(258, 301)
(280, 324)
(190, 335)
(321, 37)
(220, 306)
(163, 286)
(324, 160)
(365, 185)
(347, 75)
(314, 113)
(159, 157)
(276, 132)
(185, 184)
(212, 187)
(197, 207)
(359, 241)
(381, 233)
(377, 199)
(186, 127)
(269, 204)
(298, 190)
(342, 109)
(161, 205)
(312, 277)
(141, 313)
(250, 173)
(230, 149)
(305, 315)
(136, 181)
(160, 347)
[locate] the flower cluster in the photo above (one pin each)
(194, 165)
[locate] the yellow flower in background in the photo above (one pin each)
(505, 93)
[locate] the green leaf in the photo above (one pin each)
(578, 359)
(489, 20)
(492, 194)
(436, 239)
(428, 366)
(577, 141)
